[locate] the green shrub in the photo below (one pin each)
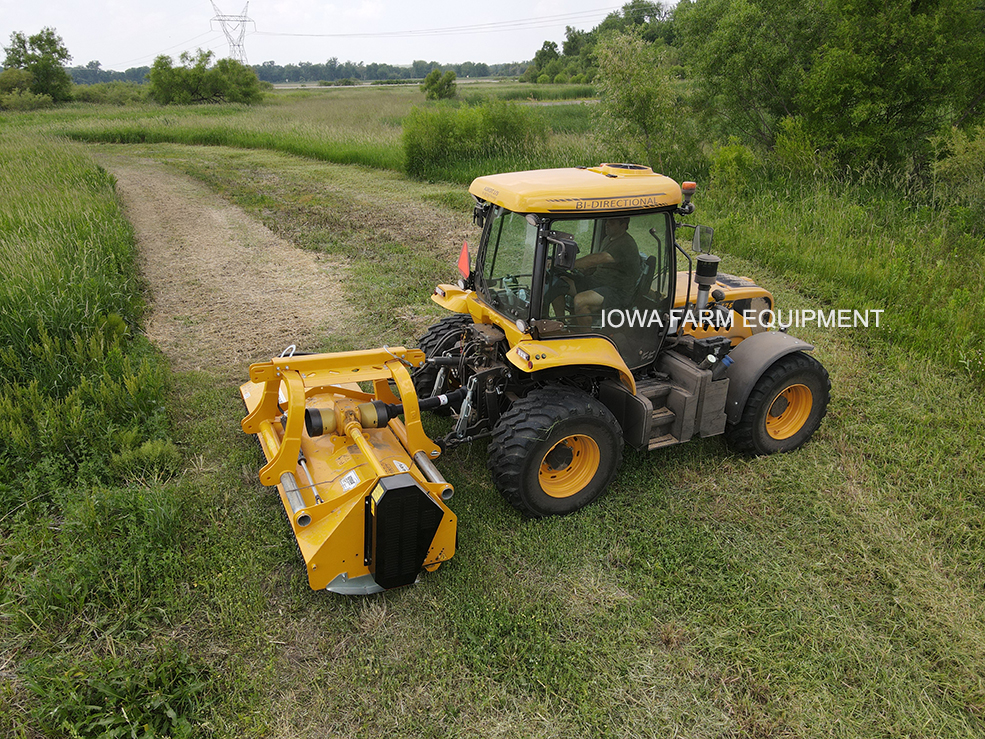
(438, 86)
(198, 80)
(155, 459)
(796, 156)
(438, 138)
(15, 80)
(111, 93)
(20, 100)
(732, 167)
(960, 177)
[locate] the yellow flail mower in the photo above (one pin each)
(580, 327)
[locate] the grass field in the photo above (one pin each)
(835, 592)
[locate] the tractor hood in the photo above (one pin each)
(608, 187)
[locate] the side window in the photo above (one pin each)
(509, 265)
(653, 236)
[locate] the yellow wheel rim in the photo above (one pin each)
(569, 466)
(789, 411)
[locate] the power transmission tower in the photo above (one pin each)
(234, 26)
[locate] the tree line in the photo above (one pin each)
(309, 72)
(333, 70)
(855, 80)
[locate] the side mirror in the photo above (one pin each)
(566, 251)
(702, 239)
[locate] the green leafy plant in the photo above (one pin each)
(198, 80)
(159, 695)
(438, 86)
(439, 137)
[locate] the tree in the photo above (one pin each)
(637, 95)
(199, 81)
(751, 58)
(439, 86)
(867, 79)
(891, 75)
(43, 55)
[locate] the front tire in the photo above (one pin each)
(555, 451)
(785, 408)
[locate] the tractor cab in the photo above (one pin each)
(531, 271)
(599, 263)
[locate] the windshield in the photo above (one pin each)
(508, 273)
(616, 272)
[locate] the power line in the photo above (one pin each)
(154, 56)
(495, 27)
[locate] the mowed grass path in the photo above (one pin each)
(837, 591)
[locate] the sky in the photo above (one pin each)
(131, 33)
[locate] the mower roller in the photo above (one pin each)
(581, 327)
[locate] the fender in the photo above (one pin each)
(451, 298)
(530, 355)
(750, 359)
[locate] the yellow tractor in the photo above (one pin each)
(572, 334)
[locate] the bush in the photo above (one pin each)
(24, 100)
(111, 93)
(437, 86)
(796, 156)
(15, 80)
(960, 176)
(437, 138)
(732, 167)
(199, 81)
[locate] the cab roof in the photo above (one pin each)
(605, 188)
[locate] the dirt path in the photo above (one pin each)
(224, 291)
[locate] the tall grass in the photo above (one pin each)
(347, 126)
(77, 384)
(91, 538)
(858, 243)
(441, 139)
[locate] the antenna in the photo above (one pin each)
(234, 26)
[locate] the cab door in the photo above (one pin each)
(634, 318)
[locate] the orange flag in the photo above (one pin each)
(464, 262)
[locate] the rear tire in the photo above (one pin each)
(440, 339)
(784, 409)
(555, 451)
